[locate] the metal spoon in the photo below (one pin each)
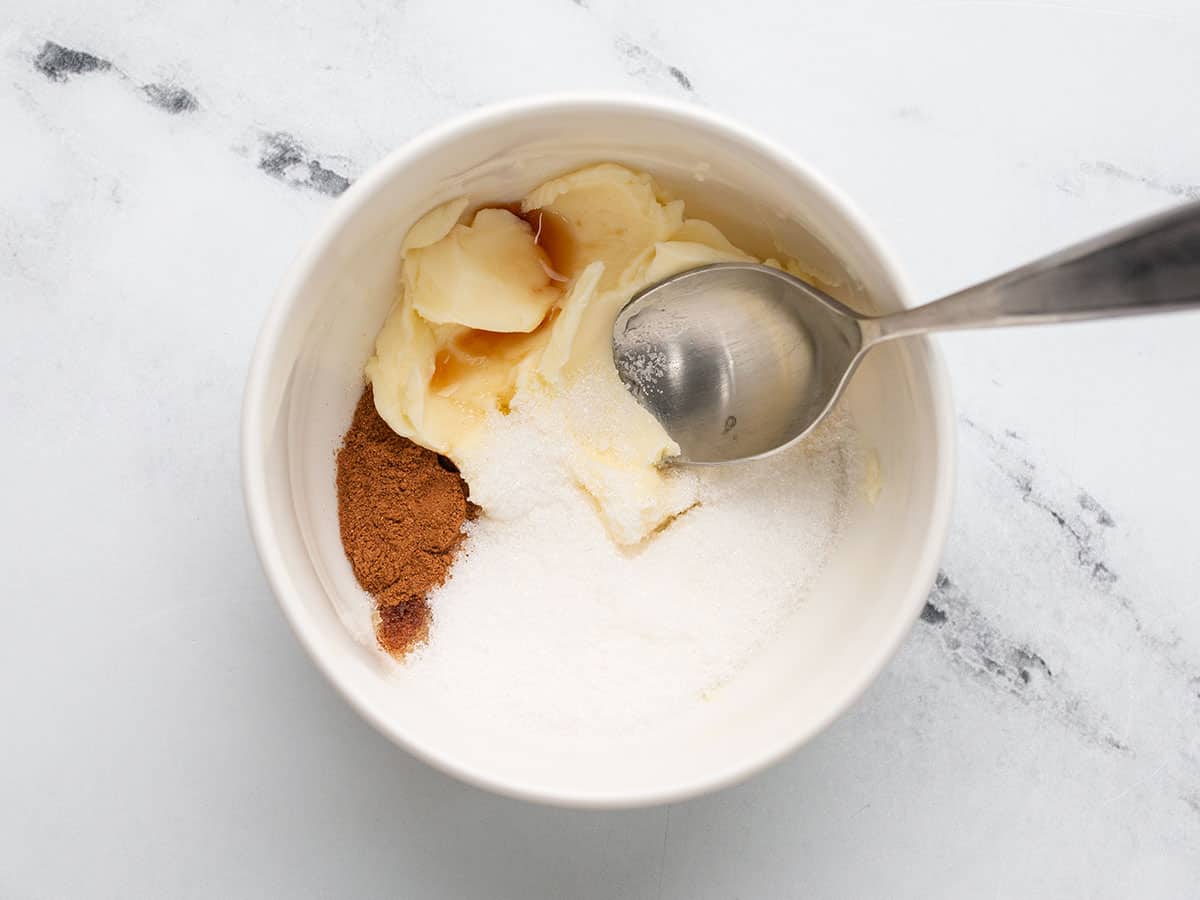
(738, 360)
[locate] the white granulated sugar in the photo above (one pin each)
(545, 623)
(646, 366)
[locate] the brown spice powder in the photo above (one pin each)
(401, 509)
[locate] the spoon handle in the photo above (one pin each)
(1149, 266)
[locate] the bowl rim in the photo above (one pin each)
(253, 463)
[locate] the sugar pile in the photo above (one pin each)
(545, 623)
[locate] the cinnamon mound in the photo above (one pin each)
(401, 511)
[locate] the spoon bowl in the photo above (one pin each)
(735, 359)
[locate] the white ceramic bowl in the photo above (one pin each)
(306, 376)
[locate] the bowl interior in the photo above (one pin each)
(307, 378)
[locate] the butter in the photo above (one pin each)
(487, 319)
(613, 215)
(434, 225)
(489, 275)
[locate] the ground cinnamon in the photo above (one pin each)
(401, 510)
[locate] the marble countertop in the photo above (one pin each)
(165, 735)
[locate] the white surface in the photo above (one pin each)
(165, 735)
(306, 378)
